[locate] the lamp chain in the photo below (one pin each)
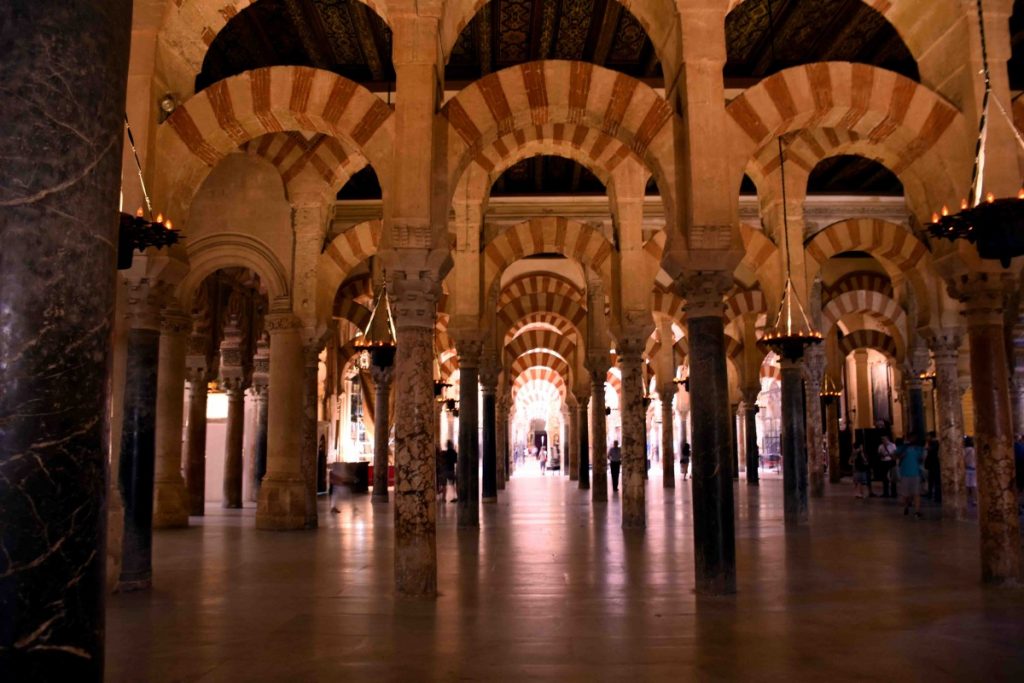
(138, 165)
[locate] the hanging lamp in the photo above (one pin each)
(994, 225)
(829, 391)
(792, 331)
(378, 339)
(138, 231)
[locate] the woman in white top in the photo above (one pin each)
(971, 467)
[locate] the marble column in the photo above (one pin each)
(668, 445)
(469, 450)
(1017, 391)
(412, 304)
(501, 434)
(714, 535)
(382, 381)
(915, 390)
(489, 444)
(835, 471)
(814, 372)
(983, 297)
(170, 497)
(198, 376)
(599, 483)
(58, 223)
(138, 436)
(233, 437)
(863, 400)
(282, 500)
(634, 418)
(583, 418)
(794, 444)
(734, 420)
(748, 409)
(574, 443)
(583, 431)
(946, 349)
(232, 380)
(310, 405)
(260, 384)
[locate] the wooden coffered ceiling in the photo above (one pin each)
(348, 38)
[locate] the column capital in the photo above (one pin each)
(488, 376)
(261, 367)
(144, 298)
(175, 323)
(630, 345)
(750, 395)
(382, 376)
(278, 322)
(469, 347)
(413, 300)
(983, 295)
(704, 293)
(945, 343)
(233, 384)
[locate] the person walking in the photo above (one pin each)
(684, 460)
(861, 473)
(971, 471)
(451, 459)
(887, 463)
(615, 460)
(911, 458)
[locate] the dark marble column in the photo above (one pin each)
(583, 427)
(469, 424)
(310, 404)
(946, 347)
(983, 295)
(170, 497)
(195, 439)
(282, 500)
(64, 67)
(734, 415)
(794, 444)
(413, 300)
(835, 471)
(501, 446)
(233, 437)
(814, 373)
(232, 381)
(489, 450)
(634, 440)
(574, 442)
(918, 422)
(1017, 398)
(138, 436)
(382, 381)
(668, 444)
(711, 465)
(748, 409)
(260, 384)
(598, 374)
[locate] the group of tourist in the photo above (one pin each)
(904, 466)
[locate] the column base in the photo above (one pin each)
(170, 504)
(379, 496)
(282, 504)
(489, 499)
(134, 585)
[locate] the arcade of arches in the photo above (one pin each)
(577, 211)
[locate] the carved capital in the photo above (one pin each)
(382, 376)
(704, 292)
(175, 323)
(281, 321)
(143, 298)
(983, 295)
(469, 348)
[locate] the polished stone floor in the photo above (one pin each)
(550, 588)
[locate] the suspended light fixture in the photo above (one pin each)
(829, 391)
(138, 231)
(994, 225)
(379, 339)
(792, 331)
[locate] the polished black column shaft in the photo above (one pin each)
(64, 69)
(714, 535)
(138, 458)
(489, 452)
(794, 445)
